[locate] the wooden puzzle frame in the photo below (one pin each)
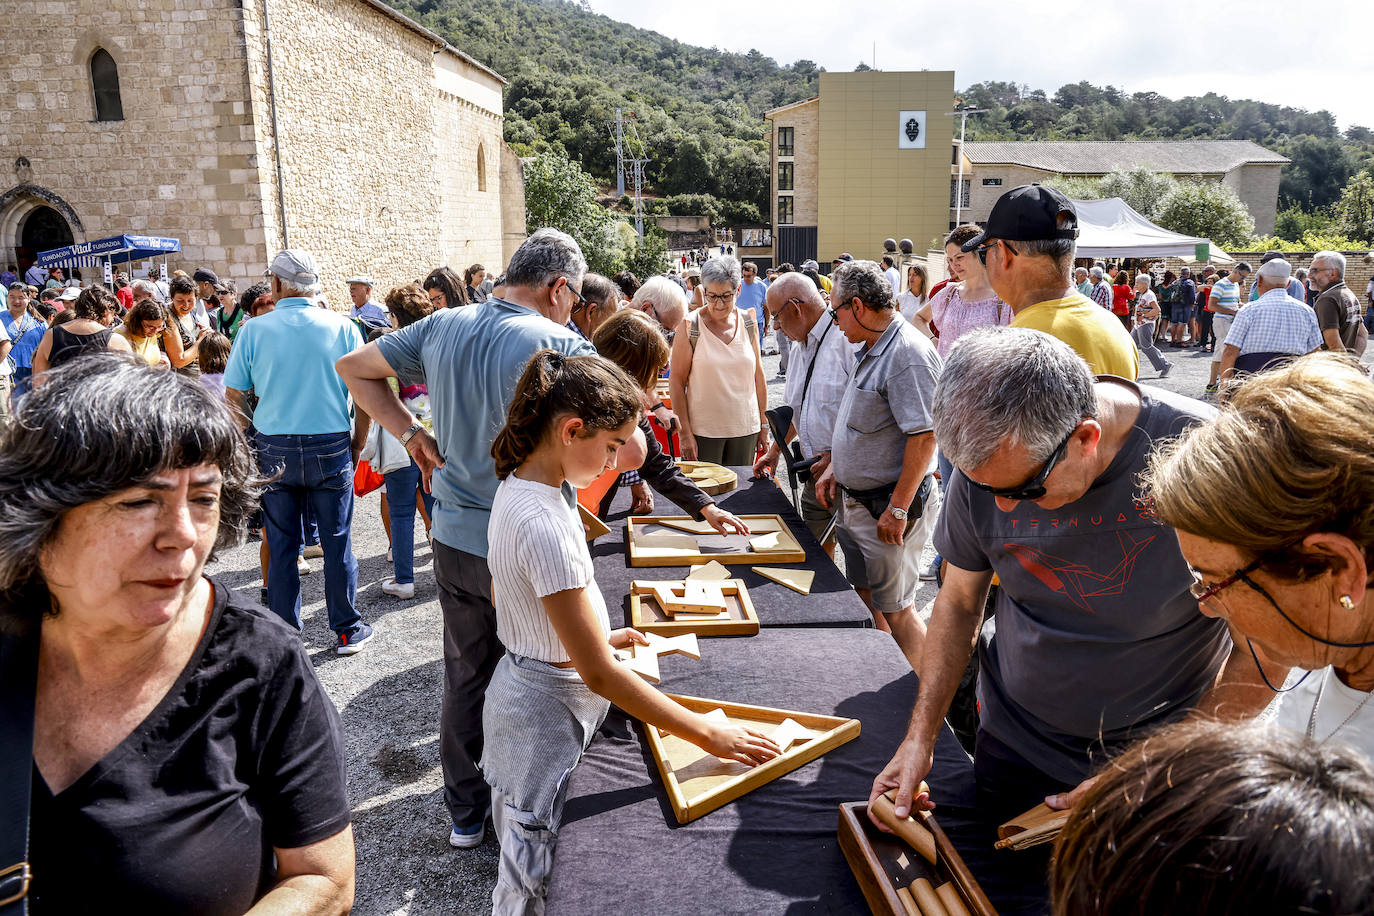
(835, 731)
(885, 867)
(788, 551)
(744, 621)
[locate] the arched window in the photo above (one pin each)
(105, 82)
(481, 168)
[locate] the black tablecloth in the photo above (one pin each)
(776, 849)
(831, 603)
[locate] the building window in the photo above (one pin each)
(954, 156)
(785, 210)
(954, 183)
(785, 141)
(992, 182)
(784, 176)
(105, 82)
(481, 168)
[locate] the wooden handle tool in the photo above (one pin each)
(926, 898)
(917, 836)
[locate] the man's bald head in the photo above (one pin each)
(795, 304)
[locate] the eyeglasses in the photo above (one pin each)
(778, 314)
(1201, 591)
(982, 250)
(567, 284)
(436, 298)
(720, 298)
(1034, 488)
(835, 311)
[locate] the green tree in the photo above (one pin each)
(1208, 210)
(1142, 189)
(1077, 188)
(649, 256)
(1319, 170)
(1355, 209)
(559, 194)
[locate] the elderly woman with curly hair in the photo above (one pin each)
(1274, 507)
(185, 758)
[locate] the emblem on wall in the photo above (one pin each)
(911, 130)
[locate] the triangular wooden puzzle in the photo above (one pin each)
(698, 782)
(799, 580)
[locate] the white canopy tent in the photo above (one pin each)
(1111, 229)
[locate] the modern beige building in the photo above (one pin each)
(991, 168)
(239, 126)
(867, 159)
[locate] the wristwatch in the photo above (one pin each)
(898, 514)
(410, 434)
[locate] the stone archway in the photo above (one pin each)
(34, 216)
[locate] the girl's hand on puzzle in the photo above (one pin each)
(626, 637)
(735, 742)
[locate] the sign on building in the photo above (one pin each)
(911, 130)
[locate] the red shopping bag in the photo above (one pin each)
(365, 480)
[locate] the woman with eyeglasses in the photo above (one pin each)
(1274, 507)
(89, 331)
(445, 289)
(716, 374)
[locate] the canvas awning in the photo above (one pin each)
(1111, 229)
(115, 248)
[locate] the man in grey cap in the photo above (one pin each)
(364, 306)
(302, 422)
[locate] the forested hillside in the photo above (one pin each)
(700, 111)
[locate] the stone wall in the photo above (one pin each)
(183, 162)
(468, 166)
(512, 203)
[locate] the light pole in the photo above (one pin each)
(963, 114)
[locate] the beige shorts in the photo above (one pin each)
(892, 571)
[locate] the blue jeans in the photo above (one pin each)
(316, 471)
(400, 500)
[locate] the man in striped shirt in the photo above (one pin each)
(1101, 291)
(1273, 323)
(1224, 303)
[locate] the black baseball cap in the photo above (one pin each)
(1029, 213)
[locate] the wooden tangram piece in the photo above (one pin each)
(595, 526)
(710, 571)
(696, 598)
(764, 542)
(799, 580)
(730, 612)
(688, 525)
(667, 543)
(1040, 824)
(698, 782)
(789, 733)
(643, 660)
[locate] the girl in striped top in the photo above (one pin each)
(551, 691)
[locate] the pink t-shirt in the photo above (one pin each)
(955, 317)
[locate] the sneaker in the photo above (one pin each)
(313, 551)
(468, 837)
(1211, 389)
(932, 571)
(302, 567)
(262, 596)
(1164, 373)
(398, 589)
(352, 640)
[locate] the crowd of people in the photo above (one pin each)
(1165, 570)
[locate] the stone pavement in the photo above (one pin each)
(388, 697)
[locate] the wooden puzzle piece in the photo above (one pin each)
(595, 526)
(687, 525)
(667, 543)
(916, 835)
(710, 571)
(908, 902)
(765, 542)
(693, 600)
(704, 595)
(716, 716)
(926, 899)
(643, 660)
(789, 733)
(799, 580)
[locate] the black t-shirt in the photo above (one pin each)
(244, 753)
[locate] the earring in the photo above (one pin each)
(1347, 603)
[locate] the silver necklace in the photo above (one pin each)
(1312, 719)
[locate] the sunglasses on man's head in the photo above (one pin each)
(1034, 488)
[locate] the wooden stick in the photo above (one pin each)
(908, 902)
(915, 835)
(925, 898)
(949, 896)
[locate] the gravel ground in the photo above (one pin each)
(388, 696)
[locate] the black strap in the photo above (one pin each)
(18, 684)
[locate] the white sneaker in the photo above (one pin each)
(302, 567)
(313, 551)
(398, 590)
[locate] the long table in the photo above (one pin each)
(621, 848)
(831, 603)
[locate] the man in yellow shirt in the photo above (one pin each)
(1028, 248)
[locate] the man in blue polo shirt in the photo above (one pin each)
(302, 423)
(25, 332)
(471, 359)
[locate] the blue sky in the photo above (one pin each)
(1262, 49)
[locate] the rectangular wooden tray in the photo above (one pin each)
(720, 783)
(881, 863)
(732, 548)
(648, 617)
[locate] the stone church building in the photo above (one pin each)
(243, 126)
